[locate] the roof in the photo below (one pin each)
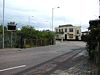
(85, 32)
(68, 25)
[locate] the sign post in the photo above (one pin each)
(11, 27)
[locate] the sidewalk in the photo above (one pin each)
(83, 67)
(9, 50)
(6, 49)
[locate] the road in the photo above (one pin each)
(16, 60)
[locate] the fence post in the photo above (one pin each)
(11, 39)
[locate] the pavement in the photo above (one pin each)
(17, 61)
(79, 65)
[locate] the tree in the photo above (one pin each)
(93, 42)
(1, 28)
(30, 35)
(28, 31)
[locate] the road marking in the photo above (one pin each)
(12, 68)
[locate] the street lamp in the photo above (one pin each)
(3, 24)
(53, 16)
(29, 18)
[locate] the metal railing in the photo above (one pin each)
(15, 41)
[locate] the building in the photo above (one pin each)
(68, 32)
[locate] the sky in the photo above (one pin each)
(38, 13)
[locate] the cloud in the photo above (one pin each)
(76, 12)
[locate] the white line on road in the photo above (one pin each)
(12, 68)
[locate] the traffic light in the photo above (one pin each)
(11, 26)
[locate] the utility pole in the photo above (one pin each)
(3, 24)
(29, 19)
(53, 16)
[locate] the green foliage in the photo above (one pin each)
(28, 31)
(31, 36)
(92, 40)
(0, 28)
(84, 37)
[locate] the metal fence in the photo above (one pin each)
(0, 41)
(13, 40)
(37, 42)
(8, 40)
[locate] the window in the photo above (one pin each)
(77, 31)
(61, 30)
(70, 35)
(66, 30)
(70, 29)
(56, 30)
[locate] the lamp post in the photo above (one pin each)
(3, 24)
(53, 16)
(29, 18)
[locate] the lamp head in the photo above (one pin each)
(58, 7)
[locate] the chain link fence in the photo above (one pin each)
(37, 42)
(0, 41)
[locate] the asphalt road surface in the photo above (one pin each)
(16, 60)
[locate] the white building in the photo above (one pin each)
(68, 32)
